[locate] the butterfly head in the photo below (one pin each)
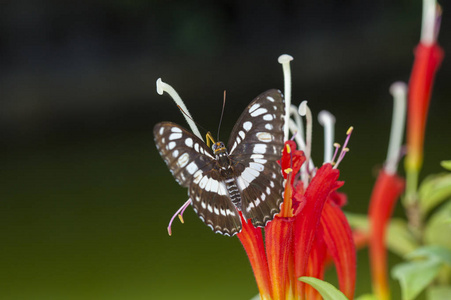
(218, 148)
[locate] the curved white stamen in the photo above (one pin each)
(297, 118)
(304, 110)
(179, 213)
(399, 93)
(297, 137)
(164, 87)
(284, 60)
(300, 142)
(428, 22)
(327, 120)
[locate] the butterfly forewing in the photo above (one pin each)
(255, 145)
(183, 152)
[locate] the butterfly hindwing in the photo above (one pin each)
(211, 202)
(255, 145)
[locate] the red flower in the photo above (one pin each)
(387, 190)
(298, 240)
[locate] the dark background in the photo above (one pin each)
(84, 196)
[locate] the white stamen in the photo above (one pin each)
(327, 120)
(399, 93)
(297, 118)
(428, 22)
(304, 110)
(284, 60)
(164, 87)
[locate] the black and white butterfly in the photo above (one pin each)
(246, 178)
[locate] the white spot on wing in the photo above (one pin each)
(171, 145)
(257, 167)
(268, 117)
(258, 112)
(222, 190)
(161, 130)
(197, 176)
(269, 126)
(183, 160)
(208, 187)
(189, 142)
(260, 148)
(203, 182)
(192, 167)
(270, 99)
(214, 185)
(241, 183)
(247, 125)
(254, 107)
(264, 137)
(175, 136)
(175, 153)
(241, 133)
(249, 175)
(176, 129)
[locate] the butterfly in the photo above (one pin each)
(244, 176)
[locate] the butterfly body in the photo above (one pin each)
(220, 182)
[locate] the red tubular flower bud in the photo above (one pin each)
(386, 191)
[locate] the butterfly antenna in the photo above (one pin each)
(191, 118)
(222, 113)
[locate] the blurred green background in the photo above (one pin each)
(84, 196)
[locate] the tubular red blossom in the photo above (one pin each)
(426, 64)
(339, 241)
(278, 235)
(316, 264)
(386, 191)
(308, 218)
(252, 241)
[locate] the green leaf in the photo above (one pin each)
(415, 276)
(399, 239)
(437, 230)
(358, 221)
(432, 252)
(446, 164)
(327, 290)
(367, 297)
(434, 190)
(439, 293)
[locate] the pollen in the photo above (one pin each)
(288, 148)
